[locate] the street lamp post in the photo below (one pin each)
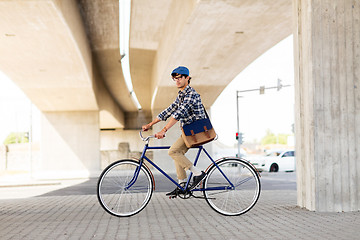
(238, 122)
(239, 136)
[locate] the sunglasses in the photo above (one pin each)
(177, 77)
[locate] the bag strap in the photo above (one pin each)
(206, 114)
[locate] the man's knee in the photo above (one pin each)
(173, 152)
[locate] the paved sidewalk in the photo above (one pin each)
(81, 217)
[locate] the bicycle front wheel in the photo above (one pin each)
(235, 189)
(120, 192)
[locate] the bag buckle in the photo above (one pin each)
(193, 135)
(206, 132)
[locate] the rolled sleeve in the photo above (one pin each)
(164, 115)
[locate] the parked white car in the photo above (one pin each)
(276, 161)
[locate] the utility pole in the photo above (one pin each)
(237, 114)
(261, 89)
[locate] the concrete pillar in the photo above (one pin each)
(327, 80)
(70, 145)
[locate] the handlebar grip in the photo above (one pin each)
(147, 138)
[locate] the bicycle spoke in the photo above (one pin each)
(116, 195)
(243, 181)
(232, 201)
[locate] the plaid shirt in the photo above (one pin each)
(186, 108)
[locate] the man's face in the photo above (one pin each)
(181, 81)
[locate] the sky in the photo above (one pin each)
(273, 110)
(16, 110)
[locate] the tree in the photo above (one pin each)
(282, 138)
(16, 137)
(271, 138)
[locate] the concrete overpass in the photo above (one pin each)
(68, 51)
(65, 56)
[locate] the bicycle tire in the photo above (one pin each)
(114, 193)
(232, 201)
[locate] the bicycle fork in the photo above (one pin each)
(135, 176)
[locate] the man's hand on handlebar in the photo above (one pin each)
(149, 125)
(160, 134)
(146, 127)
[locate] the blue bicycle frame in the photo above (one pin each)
(201, 148)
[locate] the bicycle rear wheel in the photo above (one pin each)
(120, 193)
(224, 198)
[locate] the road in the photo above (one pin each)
(25, 189)
(269, 181)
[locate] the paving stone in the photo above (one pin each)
(275, 216)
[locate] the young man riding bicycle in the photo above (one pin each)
(186, 108)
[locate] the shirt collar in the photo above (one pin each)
(186, 89)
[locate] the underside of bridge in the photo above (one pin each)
(64, 54)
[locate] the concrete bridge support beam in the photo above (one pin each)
(327, 78)
(70, 144)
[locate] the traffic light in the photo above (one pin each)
(239, 137)
(279, 85)
(262, 89)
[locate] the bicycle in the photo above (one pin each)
(232, 185)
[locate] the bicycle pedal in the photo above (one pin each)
(171, 197)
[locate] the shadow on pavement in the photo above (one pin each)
(162, 184)
(269, 181)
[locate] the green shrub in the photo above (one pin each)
(271, 138)
(17, 137)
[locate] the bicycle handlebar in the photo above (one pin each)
(145, 139)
